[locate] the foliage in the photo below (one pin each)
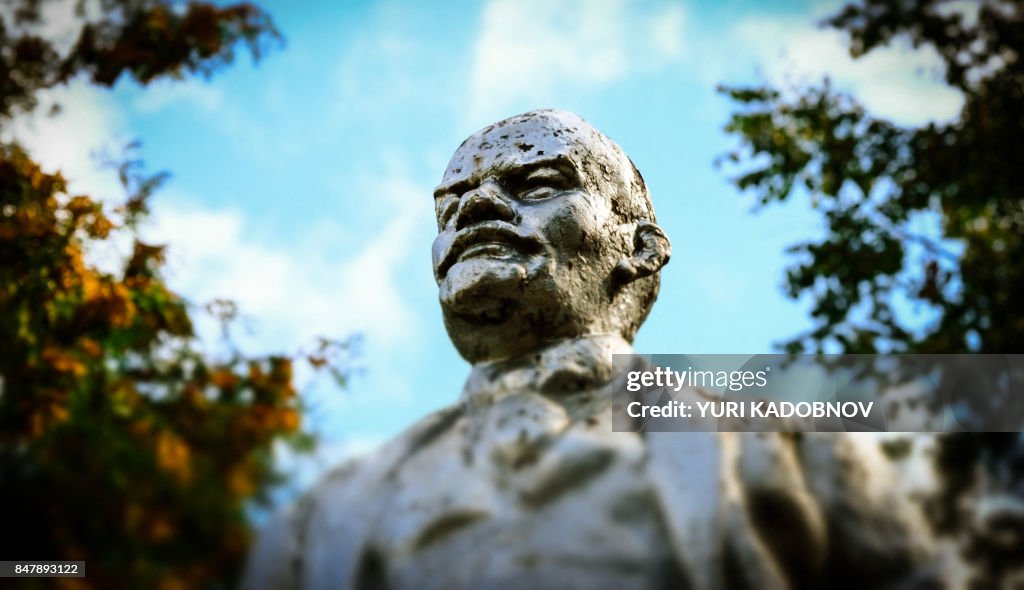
(121, 442)
(924, 226)
(871, 179)
(148, 39)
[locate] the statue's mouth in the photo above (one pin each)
(493, 239)
(487, 249)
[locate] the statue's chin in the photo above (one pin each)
(501, 308)
(482, 300)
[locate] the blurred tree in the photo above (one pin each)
(121, 443)
(924, 225)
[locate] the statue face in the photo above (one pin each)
(526, 241)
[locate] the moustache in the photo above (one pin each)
(487, 232)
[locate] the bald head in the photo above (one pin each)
(546, 232)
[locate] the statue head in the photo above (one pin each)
(545, 232)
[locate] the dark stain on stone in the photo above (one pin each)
(528, 456)
(371, 572)
(435, 430)
(781, 524)
(575, 472)
(671, 575)
(446, 525)
(634, 507)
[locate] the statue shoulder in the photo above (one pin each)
(279, 556)
(355, 485)
(316, 541)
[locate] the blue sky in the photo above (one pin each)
(302, 186)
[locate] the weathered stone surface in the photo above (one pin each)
(547, 262)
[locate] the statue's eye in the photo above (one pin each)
(446, 205)
(538, 193)
(543, 183)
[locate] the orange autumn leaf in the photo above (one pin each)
(288, 420)
(80, 205)
(240, 483)
(160, 528)
(173, 456)
(46, 417)
(63, 361)
(172, 582)
(90, 347)
(224, 378)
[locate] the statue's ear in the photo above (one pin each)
(651, 251)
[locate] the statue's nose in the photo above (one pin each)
(484, 203)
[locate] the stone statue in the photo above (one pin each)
(547, 259)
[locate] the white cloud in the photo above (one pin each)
(293, 292)
(88, 124)
(195, 92)
(897, 82)
(667, 31)
(529, 50)
(967, 9)
(376, 75)
(59, 22)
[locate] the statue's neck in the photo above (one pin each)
(562, 367)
